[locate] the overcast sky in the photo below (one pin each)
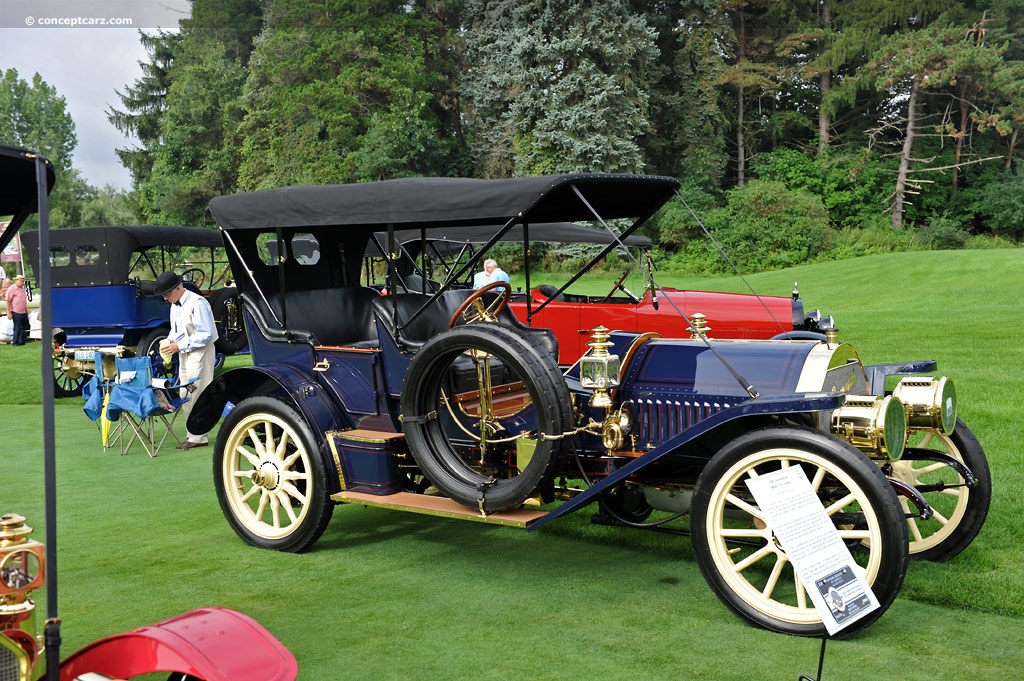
(85, 65)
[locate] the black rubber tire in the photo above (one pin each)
(743, 589)
(228, 342)
(961, 517)
(151, 342)
(799, 335)
(428, 442)
(303, 489)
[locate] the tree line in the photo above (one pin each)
(800, 129)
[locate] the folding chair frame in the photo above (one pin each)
(131, 426)
(144, 430)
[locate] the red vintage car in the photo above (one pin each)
(446, 260)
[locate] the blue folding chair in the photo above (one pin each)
(140, 410)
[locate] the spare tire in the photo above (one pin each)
(231, 337)
(445, 411)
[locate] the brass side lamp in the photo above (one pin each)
(21, 573)
(599, 369)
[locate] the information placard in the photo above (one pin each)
(822, 561)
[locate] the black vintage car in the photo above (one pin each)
(102, 292)
(445, 403)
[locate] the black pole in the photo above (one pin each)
(821, 661)
(52, 630)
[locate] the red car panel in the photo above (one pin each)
(729, 315)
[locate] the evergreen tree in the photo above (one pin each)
(686, 138)
(557, 85)
(198, 155)
(341, 92)
(909, 66)
(144, 104)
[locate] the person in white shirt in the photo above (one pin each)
(192, 336)
(491, 273)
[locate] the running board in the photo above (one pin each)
(439, 506)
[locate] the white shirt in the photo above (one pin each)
(481, 279)
(192, 326)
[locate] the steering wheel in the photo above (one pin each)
(191, 274)
(619, 287)
(481, 312)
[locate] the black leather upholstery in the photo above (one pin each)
(414, 283)
(434, 320)
(423, 328)
(339, 316)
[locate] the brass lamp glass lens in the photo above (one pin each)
(599, 372)
(19, 569)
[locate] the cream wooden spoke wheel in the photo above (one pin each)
(270, 479)
(739, 554)
(958, 511)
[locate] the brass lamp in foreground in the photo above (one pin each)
(21, 572)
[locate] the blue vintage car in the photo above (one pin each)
(444, 403)
(182, 646)
(102, 292)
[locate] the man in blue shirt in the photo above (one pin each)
(491, 274)
(192, 336)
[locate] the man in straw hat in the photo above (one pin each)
(192, 337)
(17, 310)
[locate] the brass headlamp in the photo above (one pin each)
(930, 402)
(876, 425)
(599, 371)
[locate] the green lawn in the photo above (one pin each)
(385, 595)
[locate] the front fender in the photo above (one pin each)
(299, 389)
(213, 644)
(761, 406)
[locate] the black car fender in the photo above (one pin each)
(721, 421)
(285, 382)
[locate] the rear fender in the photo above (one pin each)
(213, 644)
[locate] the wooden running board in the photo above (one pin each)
(439, 506)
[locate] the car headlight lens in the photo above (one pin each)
(930, 402)
(876, 425)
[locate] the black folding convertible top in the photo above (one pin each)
(18, 197)
(114, 246)
(451, 239)
(444, 201)
(554, 232)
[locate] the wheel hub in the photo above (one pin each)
(72, 369)
(266, 476)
